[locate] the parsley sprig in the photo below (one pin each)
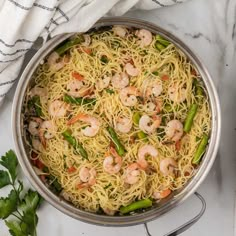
(20, 206)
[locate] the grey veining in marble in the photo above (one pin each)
(209, 28)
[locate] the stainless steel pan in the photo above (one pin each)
(157, 210)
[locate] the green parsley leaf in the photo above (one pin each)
(4, 178)
(24, 209)
(14, 228)
(20, 186)
(29, 204)
(10, 162)
(29, 222)
(8, 204)
(30, 201)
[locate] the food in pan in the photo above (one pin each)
(116, 120)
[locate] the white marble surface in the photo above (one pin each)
(208, 27)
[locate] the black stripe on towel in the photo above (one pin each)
(14, 53)
(2, 95)
(63, 14)
(160, 4)
(11, 60)
(17, 41)
(44, 7)
(34, 5)
(54, 22)
(8, 82)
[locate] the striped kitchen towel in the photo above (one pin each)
(23, 21)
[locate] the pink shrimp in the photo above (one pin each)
(132, 174)
(142, 154)
(112, 162)
(94, 123)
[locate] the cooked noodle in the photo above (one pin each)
(110, 191)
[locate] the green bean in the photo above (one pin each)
(118, 145)
(200, 149)
(161, 43)
(159, 46)
(142, 135)
(190, 116)
(198, 90)
(64, 46)
(144, 203)
(162, 40)
(79, 101)
(136, 118)
(75, 144)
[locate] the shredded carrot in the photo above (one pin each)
(75, 118)
(72, 169)
(87, 50)
(165, 77)
(34, 154)
(38, 164)
(186, 173)
(77, 76)
(82, 185)
(165, 193)
(178, 145)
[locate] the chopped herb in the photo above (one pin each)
(198, 138)
(163, 120)
(104, 59)
(155, 73)
(55, 186)
(34, 104)
(45, 169)
(167, 108)
(160, 133)
(110, 91)
(108, 186)
(140, 99)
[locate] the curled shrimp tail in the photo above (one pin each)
(42, 138)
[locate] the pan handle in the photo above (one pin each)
(186, 225)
